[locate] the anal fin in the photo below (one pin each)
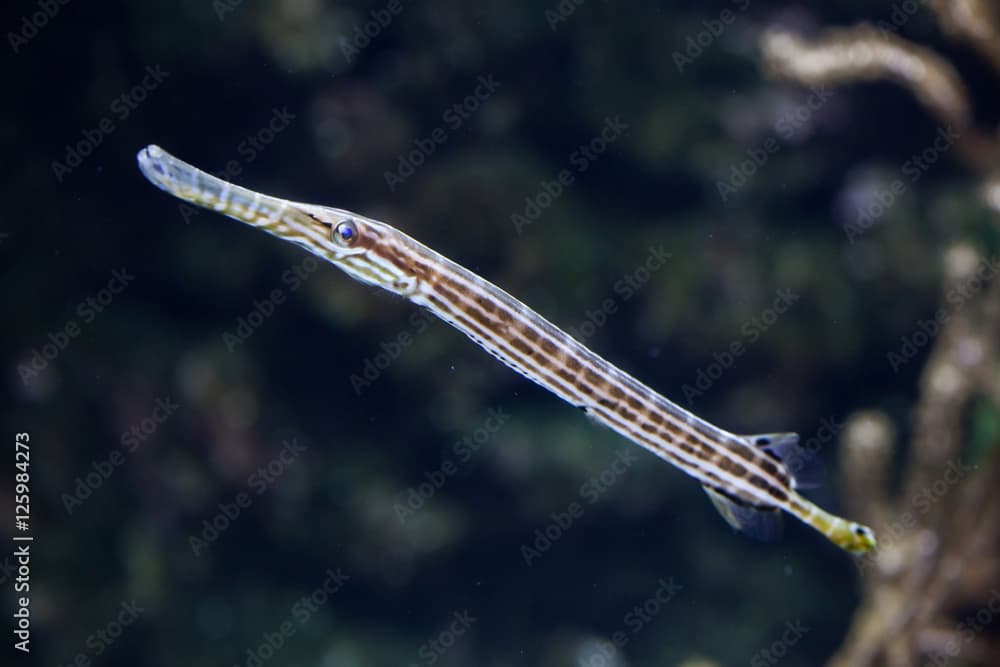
(760, 523)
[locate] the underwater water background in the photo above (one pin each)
(247, 458)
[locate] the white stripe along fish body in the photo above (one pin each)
(743, 475)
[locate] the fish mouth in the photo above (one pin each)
(153, 163)
(172, 175)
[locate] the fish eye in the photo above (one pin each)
(345, 233)
(860, 531)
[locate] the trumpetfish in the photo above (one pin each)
(745, 476)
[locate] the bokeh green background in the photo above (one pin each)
(335, 505)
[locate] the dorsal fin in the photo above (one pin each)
(760, 523)
(804, 466)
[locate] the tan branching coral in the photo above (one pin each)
(865, 53)
(976, 22)
(991, 192)
(932, 589)
(939, 555)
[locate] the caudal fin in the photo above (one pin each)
(804, 466)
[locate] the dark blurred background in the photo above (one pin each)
(176, 369)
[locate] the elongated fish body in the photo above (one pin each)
(743, 475)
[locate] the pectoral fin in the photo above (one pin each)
(759, 523)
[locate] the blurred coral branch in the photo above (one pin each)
(863, 53)
(939, 552)
(972, 21)
(991, 192)
(940, 535)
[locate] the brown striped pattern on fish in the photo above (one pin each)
(741, 476)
